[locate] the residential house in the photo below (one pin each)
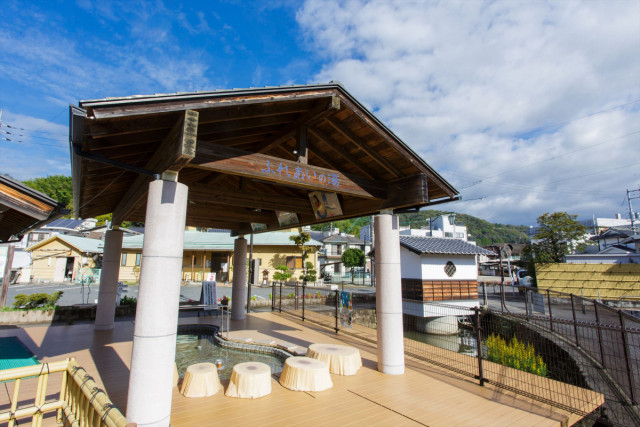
(65, 258)
(334, 244)
(212, 252)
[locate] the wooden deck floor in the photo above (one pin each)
(424, 395)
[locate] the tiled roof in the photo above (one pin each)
(338, 238)
(437, 245)
(196, 240)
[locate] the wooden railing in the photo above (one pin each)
(80, 402)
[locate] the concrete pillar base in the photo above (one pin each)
(106, 310)
(239, 289)
(389, 295)
(445, 325)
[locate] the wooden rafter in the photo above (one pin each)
(356, 140)
(176, 151)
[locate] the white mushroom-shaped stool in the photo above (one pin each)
(342, 359)
(200, 380)
(305, 374)
(249, 380)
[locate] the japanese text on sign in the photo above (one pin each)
(302, 174)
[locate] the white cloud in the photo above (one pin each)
(480, 88)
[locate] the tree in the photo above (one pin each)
(58, 187)
(310, 275)
(283, 274)
(352, 258)
(300, 240)
(558, 234)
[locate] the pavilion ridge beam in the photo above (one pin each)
(175, 152)
(232, 161)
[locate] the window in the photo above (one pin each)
(138, 256)
(294, 262)
(123, 260)
(450, 269)
(448, 234)
(460, 235)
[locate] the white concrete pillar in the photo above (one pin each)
(154, 336)
(106, 311)
(389, 295)
(239, 289)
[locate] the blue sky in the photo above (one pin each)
(526, 107)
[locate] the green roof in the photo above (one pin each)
(216, 241)
(82, 244)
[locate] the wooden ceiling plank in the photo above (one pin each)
(175, 151)
(247, 199)
(320, 112)
(360, 144)
(331, 146)
(274, 169)
(245, 124)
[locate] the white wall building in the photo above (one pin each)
(438, 272)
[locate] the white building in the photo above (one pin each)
(437, 272)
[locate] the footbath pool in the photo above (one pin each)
(195, 346)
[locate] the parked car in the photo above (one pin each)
(523, 280)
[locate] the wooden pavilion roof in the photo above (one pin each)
(245, 154)
(22, 209)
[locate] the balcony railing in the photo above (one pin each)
(79, 403)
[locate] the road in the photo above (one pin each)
(77, 294)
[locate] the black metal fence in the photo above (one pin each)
(584, 357)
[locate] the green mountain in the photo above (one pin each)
(481, 231)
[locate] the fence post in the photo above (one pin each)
(280, 302)
(575, 324)
(595, 308)
(337, 302)
(295, 297)
(627, 359)
(273, 296)
(550, 314)
(479, 346)
(526, 303)
(304, 296)
(484, 294)
(584, 308)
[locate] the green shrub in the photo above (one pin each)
(39, 300)
(125, 300)
(283, 274)
(516, 354)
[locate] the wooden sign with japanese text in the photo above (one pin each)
(261, 166)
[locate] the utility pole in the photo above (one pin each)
(632, 194)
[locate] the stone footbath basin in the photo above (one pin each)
(200, 346)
